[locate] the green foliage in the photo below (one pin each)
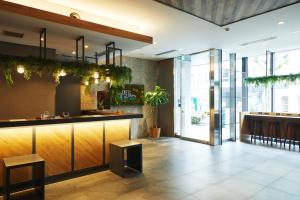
(196, 120)
(130, 94)
(84, 71)
(156, 97)
(271, 80)
(115, 98)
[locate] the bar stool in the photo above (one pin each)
(38, 173)
(291, 133)
(266, 132)
(298, 136)
(258, 129)
(274, 131)
(250, 126)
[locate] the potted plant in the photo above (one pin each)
(155, 98)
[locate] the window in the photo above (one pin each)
(286, 95)
(258, 96)
(284, 103)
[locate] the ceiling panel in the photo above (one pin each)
(224, 12)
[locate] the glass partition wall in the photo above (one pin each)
(210, 92)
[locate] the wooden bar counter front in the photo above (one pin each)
(68, 146)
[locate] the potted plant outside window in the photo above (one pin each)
(155, 98)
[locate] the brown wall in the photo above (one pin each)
(67, 97)
(24, 50)
(26, 99)
(166, 112)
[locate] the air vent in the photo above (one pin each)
(259, 41)
(165, 52)
(13, 34)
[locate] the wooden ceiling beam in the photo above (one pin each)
(69, 21)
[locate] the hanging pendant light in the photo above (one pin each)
(20, 69)
(107, 79)
(96, 75)
(62, 73)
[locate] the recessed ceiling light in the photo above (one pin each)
(154, 43)
(281, 22)
(73, 52)
(86, 46)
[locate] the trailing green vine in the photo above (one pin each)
(272, 80)
(119, 75)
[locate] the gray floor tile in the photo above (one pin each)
(286, 185)
(175, 169)
(272, 194)
(256, 177)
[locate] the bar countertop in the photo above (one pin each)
(60, 120)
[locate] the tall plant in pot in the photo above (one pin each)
(155, 98)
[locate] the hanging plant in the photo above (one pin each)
(119, 75)
(272, 80)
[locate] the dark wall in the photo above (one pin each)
(67, 96)
(26, 99)
(166, 112)
(29, 98)
(24, 50)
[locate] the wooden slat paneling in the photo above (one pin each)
(65, 20)
(224, 12)
(53, 143)
(88, 145)
(16, 142)
(114, 131)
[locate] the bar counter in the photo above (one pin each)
(83, 118)
(69, 146)
(282, 119)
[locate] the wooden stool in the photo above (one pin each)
(274, 131)
(298, 136)
(265, 131)
(118, 164)
(258, 129)
(250, 126)
(38, 173)
(291, 133)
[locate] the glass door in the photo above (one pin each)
(192, 113)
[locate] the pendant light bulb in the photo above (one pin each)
(107, 80)
(86, 83)
(96, 81)
(62, 73)
(96, 75)
(20, 69)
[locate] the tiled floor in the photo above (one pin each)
(177, 169)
